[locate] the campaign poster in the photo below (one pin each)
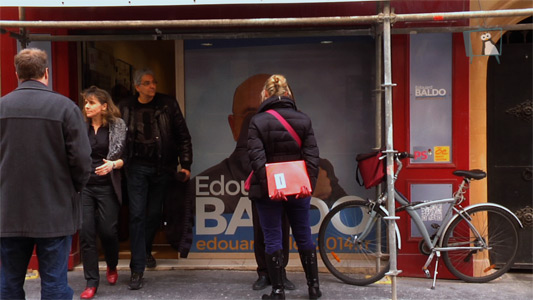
(332, 82)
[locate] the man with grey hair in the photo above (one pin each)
(157, 141)
(44, 164)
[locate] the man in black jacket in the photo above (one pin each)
(44, 164)
(157, 141)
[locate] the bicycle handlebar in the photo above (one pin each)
(397, 157)
(403, 155)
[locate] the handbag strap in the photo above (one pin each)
(286, 125)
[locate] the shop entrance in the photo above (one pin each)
(110, 65)
(509, 133)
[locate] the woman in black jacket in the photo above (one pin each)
(102, 195)
(270, 142)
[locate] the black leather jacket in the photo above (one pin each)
(174, 145)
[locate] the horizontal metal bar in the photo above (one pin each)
(244, 35)
(463, 15)
(205, 23)
(262, 22)
(444, 249)
(432, 202)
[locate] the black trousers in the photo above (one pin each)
(259, 242)
(100, 218)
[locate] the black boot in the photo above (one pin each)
(275, 272)
(287, 284)
(309, 263)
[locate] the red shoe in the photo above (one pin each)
(112, 275)
(88, 293)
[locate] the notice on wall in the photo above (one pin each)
(430, 214)
(430, 101)
(442, 153)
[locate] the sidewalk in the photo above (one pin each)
(232, 279)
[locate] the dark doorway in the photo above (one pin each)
(509, 134)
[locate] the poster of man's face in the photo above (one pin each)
(333, 83)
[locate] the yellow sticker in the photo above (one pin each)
(384, 280)
(32, 274)
(441, 154)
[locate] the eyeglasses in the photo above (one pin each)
(147, 83)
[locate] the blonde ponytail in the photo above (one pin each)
(276, 85)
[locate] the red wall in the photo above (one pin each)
(63, 59)
(8, 49)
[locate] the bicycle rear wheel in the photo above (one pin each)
(497, 229)
(354, 260)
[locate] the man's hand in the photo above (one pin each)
(304, 193)
(184, 175)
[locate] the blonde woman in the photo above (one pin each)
(102, 195)
(270, 142)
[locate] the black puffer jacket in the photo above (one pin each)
(269, 141)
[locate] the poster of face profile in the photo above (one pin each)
(331, 82)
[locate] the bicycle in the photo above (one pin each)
(478, 242)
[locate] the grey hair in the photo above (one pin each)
(138, 75)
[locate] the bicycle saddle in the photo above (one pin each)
(472, 174)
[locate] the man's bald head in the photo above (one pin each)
(246, 100)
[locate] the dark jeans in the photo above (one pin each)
(100, 217)
(259, 242)
(271, 216)
(146, 190)
(52, 254)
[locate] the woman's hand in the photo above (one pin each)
(279, 196)
(105, 168)
(304, 193)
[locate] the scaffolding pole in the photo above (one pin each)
(387, 85)
(266, 22)
(420, 17)
(256, 34)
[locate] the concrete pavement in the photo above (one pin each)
(175, 279)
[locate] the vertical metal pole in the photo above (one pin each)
(378, 93)
(387, 85)
(378, 98)
(23, 31)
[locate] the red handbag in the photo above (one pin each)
(371, 168)
(287, 177)
(248, 181)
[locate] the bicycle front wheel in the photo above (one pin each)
(497, 235)
(352, 258)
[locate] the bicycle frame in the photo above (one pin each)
(456, 200)
(411, 208)
(435, 244)
(376, 212)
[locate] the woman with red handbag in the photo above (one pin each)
(271, 141)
